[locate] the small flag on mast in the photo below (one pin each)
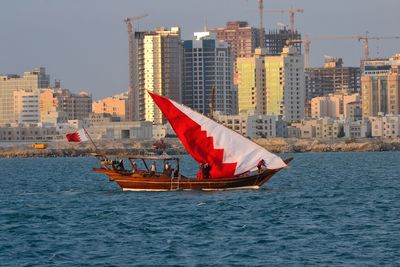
(79, 136)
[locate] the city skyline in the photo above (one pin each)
(85, 44)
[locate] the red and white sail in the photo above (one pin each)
(229, 153)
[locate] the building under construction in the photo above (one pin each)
(242, 38)
(331, 78)
(275, 40)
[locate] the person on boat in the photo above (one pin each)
(201, 171)
(206, 170)
(260, 165)
(167, 169)
(153, 168)
(134, 167)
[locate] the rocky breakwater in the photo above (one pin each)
(66, 149)
(135, 147)
(280, 145)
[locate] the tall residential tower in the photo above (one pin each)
(208, 68)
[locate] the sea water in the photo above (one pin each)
(325, 209)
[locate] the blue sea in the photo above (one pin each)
(327, 209)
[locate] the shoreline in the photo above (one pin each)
(134, 147)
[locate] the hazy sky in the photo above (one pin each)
(84, 43)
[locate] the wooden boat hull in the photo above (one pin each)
(138, 182)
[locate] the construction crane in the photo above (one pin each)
(131, 66)
(261, 10)
(365, 38)
(307, 43)
(292, 11)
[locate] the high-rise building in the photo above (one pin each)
(331, 78)
(276, 40)
(252, 83)
(242, 38)
(272, 84)
(381, 86)
(208, 68)
(158, 69)
(26, 106)
(30, 81)
(285, 84)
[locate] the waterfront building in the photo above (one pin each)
(322, 128)
(208, 68)
(334, 106)
(386, 126)
(331, 78)
(242, 39)
(26, 132)
(26, 106)
(30, 81)
(142, 130)
(251, 124)
(276, 40)
(158, 69)
(285, 84)
(381, 86)
(357, 129)
(116, 105)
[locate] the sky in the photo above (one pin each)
(84, 43)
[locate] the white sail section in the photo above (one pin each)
(237, 148)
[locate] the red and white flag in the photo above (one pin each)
(79, 136)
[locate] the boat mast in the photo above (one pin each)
(212, 103)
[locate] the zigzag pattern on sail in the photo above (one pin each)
(195, 140)
(229, 153)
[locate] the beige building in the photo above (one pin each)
(387, 126)
(323, 128)
(116, 106)
(59, 105)
(357, 129)
(334, 106)
(157, 68)
(26, 106)
(122, 130)
(19, 132)
(251, 124)
(30, 81)
(380, 85)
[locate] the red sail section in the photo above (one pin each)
(195, 140)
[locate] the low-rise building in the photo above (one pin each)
(122, 130)
(26, 132)
(250, 124)
(357, 129)
(116, 105)
(323, 128)
(387, 126)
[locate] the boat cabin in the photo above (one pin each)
(144, 166)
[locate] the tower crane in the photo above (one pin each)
(307, 43)
(132, 94)
(261, 10)
(365, 38)
(292, 11)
